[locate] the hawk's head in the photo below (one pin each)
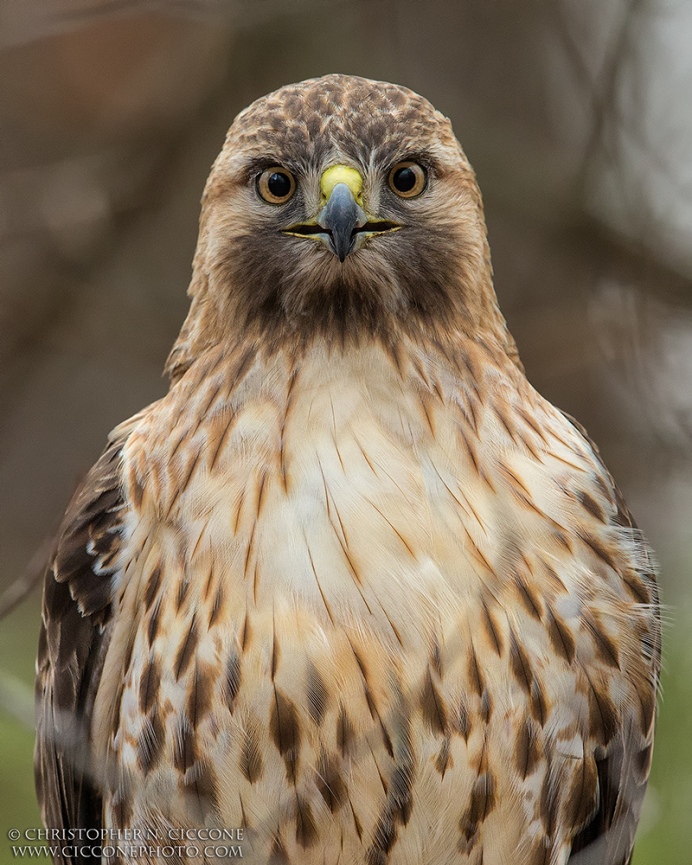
(341, 205)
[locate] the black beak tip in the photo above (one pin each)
(342, 248)
(340, 218)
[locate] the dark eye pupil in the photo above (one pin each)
(404, 179)
(279, 184)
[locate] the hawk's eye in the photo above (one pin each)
(408, 179)
(276, 185)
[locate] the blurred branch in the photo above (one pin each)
(36, 19)
(63, 213)
(601, 87)
(29, 20)
(628, 177)
(32, 576)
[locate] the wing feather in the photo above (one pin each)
(74, 635)
(623, 771)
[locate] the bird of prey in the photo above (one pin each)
(352, 590)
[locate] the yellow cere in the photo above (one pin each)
(342, 174)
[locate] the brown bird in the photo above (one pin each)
(352, 592)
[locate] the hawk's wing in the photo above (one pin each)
(623, 770)
(74, 638)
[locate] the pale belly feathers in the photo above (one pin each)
(357, 615)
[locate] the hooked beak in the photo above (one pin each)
(341, 217)
(342, 223)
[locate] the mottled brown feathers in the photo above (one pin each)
(352, 586)
(74, 636)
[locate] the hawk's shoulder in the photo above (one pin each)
(76, 613)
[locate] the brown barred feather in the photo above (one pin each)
(352, 585)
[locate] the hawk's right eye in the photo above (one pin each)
(276, 185)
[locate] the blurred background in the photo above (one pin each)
(577, 116)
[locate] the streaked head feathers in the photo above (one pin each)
(432, 277)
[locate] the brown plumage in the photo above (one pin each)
(352, 586)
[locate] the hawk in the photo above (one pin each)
(352, 592)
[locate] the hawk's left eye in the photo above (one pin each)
(276, 185)
(408, 179)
